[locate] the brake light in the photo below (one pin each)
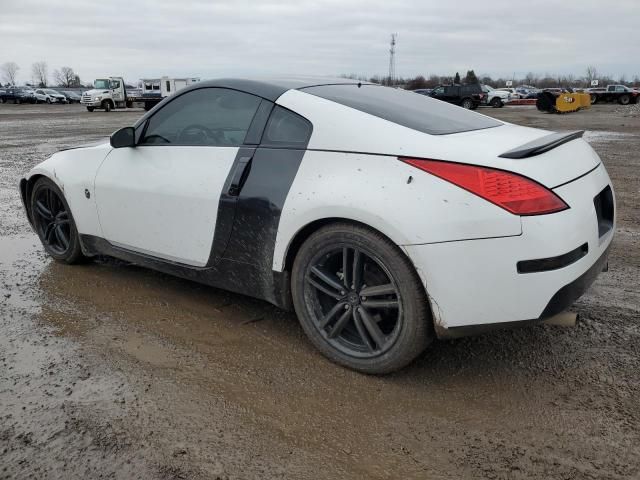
(515, 193)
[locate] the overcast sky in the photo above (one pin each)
(207, 38)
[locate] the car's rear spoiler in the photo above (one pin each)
(541, 145)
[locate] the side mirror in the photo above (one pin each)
(125, 137)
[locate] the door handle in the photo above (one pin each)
(240, 173)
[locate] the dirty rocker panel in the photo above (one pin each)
(226, 274)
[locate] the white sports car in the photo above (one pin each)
(384, 218)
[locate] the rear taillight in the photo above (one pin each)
(515, 193)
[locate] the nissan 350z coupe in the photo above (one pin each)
(384, 218)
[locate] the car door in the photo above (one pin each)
(161, 197)
(438, 93)
(117, 91)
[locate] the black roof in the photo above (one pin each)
(267, 88)
(272, 88)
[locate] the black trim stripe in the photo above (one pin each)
(553, 263)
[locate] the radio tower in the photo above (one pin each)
(392, 59)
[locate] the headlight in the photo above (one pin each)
(99, 97)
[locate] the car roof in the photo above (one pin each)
(272, 88)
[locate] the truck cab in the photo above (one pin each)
(107, 94)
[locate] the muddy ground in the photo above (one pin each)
(108, 370)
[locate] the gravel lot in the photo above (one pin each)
(108, 370)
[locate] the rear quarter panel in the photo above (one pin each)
(405, 204)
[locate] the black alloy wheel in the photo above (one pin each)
(54, 223)
(359, 299)
(356, 303)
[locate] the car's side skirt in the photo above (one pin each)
(239, 277)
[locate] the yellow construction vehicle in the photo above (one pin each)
(562, 101)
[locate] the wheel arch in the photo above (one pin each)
(26, 188)
(310, 228)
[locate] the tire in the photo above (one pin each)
(106, 105)
(90, 109)
(48, 100)
(53, 222)
(400, 333)
(594, 99)
(467, 103)
(624, 100)
(496, 103)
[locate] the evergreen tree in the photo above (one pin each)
(471, 78)
(456, 80)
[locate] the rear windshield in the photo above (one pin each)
(405, 108)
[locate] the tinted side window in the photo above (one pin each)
(418, 112)
(207, 116)
(469, 89)
(286, 128)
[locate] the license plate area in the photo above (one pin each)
(603, 203)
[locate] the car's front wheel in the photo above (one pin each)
(54, 223)
(496, 102)
(359, 299)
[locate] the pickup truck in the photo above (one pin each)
(615, 93)
(466, 96)
(496, 97)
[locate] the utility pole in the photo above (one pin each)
(392, 59)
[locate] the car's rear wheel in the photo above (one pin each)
(496, 102)
(54, 223)
(624, 100)
(359, 299)
(467, 103)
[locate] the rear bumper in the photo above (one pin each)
(475, 285)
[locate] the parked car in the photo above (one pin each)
(72, 97)
(52, 96)
(466, 96)
(514, 93)
(495, 97)
(16, 95)
(378, 253)
(40, 96)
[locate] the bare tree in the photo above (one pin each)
(9, 72)
(592, 73)
(40, 72)
(66, 77)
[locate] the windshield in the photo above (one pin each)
(51, 92)
(101, 84)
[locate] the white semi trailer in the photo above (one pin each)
(110, 92)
